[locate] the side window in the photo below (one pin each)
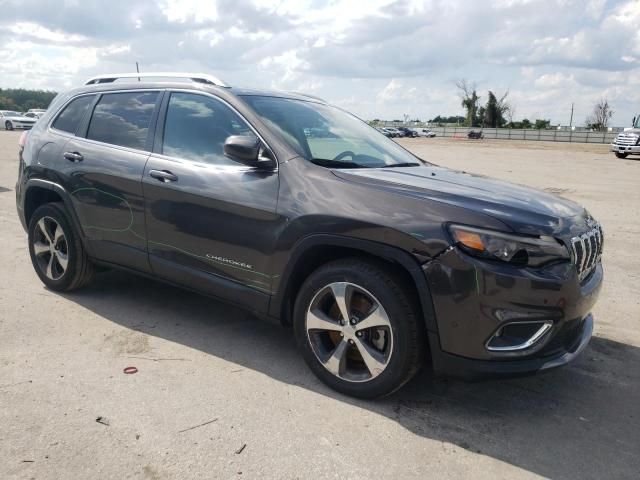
(123, 119)
(197, 127)
(69, 119)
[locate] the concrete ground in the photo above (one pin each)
(219, 394)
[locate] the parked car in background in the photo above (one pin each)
(425, 132)
(34, 113)
(628, 142)
(394, 132)
(407, 132)
(11, 120)
(383, 131)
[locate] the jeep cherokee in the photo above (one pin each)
(375, 257)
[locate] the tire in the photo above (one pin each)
(8, 125)
(621, 155)
(394, 347)
(65, 266)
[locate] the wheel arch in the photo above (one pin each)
(38, 192)
(316, 250)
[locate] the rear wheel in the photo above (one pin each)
(57, 254)
(8, 125)
(621, 155)
(357, 329)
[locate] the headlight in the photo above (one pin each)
(514, 249)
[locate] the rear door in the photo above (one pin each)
(211, 222)
(103, 173)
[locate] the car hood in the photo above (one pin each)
(522, 209)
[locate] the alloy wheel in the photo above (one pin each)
(51, 248)
(349, 332)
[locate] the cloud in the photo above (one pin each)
(382, 58)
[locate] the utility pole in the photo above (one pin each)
(138, 70)
(571, 119)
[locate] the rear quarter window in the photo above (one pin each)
(69, 119)
(123, 119)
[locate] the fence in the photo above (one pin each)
(575, 136)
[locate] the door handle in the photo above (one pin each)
(163, 175)
(73, 156)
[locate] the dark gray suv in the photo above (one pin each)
(300, 212)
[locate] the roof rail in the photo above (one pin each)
(314, 97)
(194, 77)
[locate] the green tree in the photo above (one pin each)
(494, 111)
(599, 118)
(542, 124)
(469, 101)
(7, 103)
(481, 116)
(22, 99)
(442, 120)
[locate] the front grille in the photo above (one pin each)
(626, 139)
(586, 250)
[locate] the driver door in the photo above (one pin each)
(211, 222)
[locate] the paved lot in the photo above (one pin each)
(61, 361)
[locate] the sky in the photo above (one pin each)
(377, 58)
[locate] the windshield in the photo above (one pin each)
(637, 124)
(8, 113)
(329, 136)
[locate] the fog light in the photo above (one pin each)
(516, 336)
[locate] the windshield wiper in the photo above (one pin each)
(405, 164)
(323, 162)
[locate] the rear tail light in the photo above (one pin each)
(23, 139)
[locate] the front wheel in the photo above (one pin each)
(57, 254)
(357, 329)
(621, 155)
(8, 125)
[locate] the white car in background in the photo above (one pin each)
(11, 120)
(35, 113)
(425, 132)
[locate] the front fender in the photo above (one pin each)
(304, 248)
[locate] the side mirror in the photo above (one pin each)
(248, 150)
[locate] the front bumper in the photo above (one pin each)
(22, 126)
(449, 365)
(472, 299)
(630, 149)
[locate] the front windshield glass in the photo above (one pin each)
(637, 125)
(329, 136)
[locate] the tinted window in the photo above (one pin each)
(72, 114)
(123, 119)
(197, 127)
